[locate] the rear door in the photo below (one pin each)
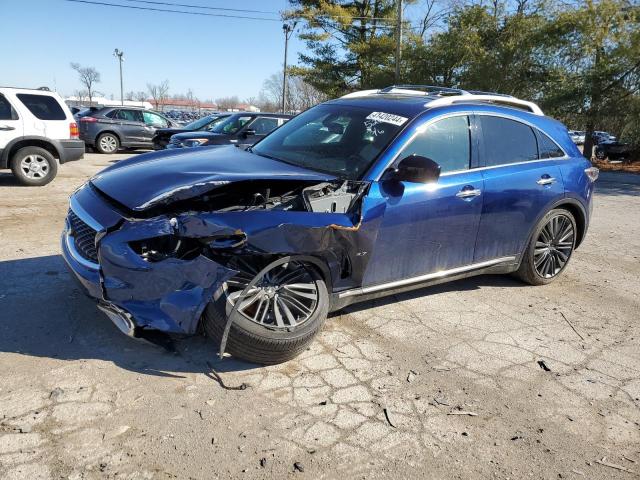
(10, 123)
(520, 184)
(130, 126)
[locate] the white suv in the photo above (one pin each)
(37, 133)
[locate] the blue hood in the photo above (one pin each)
(152, 179)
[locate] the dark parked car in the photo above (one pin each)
(370, 194)
(109, 128)
(613, 150)
(163, 135)
(242, 129)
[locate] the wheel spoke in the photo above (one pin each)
(287, 312)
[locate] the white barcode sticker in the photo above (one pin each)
(387, 118)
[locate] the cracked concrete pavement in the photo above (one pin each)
(445, 382)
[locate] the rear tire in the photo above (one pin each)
(550, 248)
(34, 166)
(268, 343)
(107, 143)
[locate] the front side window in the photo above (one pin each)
(507, 141)
(154, 120)
(6, 110)
(342, 140)
(232, 124)
(447, 142)
(264, 125)
(44, 107)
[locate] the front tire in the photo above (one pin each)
(34, 166)
(278, 318)
(107, 143)
(549, 249)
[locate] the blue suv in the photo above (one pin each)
(374, 193)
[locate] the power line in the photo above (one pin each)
(202, 7)
(184, 12)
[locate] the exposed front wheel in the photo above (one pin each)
(549, 249)
(34, 166)
(277, 318)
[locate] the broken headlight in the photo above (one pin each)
(166, 246)
(193, 142)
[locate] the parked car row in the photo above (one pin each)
(578, 136)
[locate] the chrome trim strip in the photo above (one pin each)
(423, 278)
(120, 318)
(83, 215)
(73, 251)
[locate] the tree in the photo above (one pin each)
(300, 94)
(88, 76)
(159, 94)
(350, 43)
(141, 97)
(228, 103)
(129, 96)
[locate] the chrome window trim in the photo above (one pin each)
(423, 278)
(421, 128)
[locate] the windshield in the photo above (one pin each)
(337, 139)
(203, 122)
(231, 124)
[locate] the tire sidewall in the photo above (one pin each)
(529, 256)
(100, 137)
(312, 324)
(19, 174)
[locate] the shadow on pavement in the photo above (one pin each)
(618, 183)
(44, 313)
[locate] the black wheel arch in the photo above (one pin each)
(50, 145)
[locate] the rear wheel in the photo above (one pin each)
(549, 249)
(279, 316)
(107, 143)
(34, 166)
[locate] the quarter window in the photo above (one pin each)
(447, 142)
(44, 107)
(548, 148)
(6, 110)
(507, 141)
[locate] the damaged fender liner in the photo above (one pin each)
(274, 219)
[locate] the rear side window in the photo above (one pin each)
(6, 110)
(44, 107)
(264, 125)
(128, 115)
(447, 142)
(548, 148)
(507, 141)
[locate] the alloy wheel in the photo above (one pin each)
(285, 297)
(554, 246)
(35, 167)
(108, 143)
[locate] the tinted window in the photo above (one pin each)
(548, 148)
(155, 120)
(128, 115)
(447, 142)
(43, 107)
(263, 125)
(507, 141)
(6, 110)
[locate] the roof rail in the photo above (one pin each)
(503, 100)
(426, 89)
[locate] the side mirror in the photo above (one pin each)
(249, 132)
(415, 168)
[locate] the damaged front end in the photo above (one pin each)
(157, 264)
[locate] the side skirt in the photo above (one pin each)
(501, 265)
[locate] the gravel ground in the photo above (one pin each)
(440, 383)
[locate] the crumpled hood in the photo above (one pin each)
(151, 179)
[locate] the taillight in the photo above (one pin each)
(592, 173)
(73, 130)
(88, 119)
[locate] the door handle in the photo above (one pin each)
(546, 180)
(6, 127)
(468, 192)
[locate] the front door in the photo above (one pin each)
(152, 121)
(521, 181)
(428, 228)
(10, 124)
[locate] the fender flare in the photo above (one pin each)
(4, 159)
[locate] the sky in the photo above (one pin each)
(213, 56)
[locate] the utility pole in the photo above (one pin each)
(119, 54)
(398, 41)
(288, 31)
